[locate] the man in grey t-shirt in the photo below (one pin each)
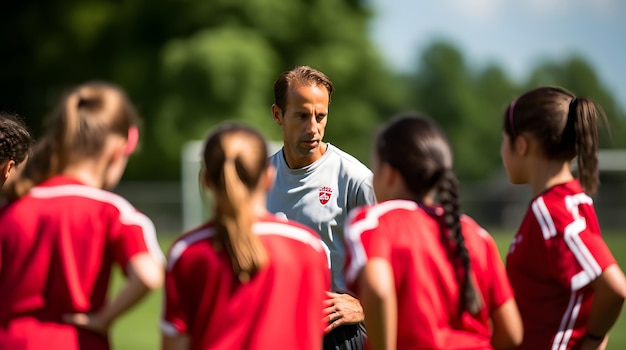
(317, 185)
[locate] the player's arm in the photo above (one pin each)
(378, 297)
(144, 274)
(507, 326)
(609, 293)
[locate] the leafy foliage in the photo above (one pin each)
(190, 64)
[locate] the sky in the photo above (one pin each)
(513, 34)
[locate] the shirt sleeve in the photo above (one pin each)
(174, 318)
(501, 290)
(578, 254)
(365, 192)
(133, 233)
(362, 243)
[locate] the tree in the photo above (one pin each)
(190, 65)
(466, 102)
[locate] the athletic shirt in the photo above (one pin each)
(281, 305)
(57, 247)
(425, 270)
(555, 254)
(320, 196)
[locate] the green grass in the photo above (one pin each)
(139, 328)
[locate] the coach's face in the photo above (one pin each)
(303, 122)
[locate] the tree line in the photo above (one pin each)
(189, 65)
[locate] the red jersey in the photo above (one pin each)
(555, 254)
(57, 246)
(281, 306)
(425, 273)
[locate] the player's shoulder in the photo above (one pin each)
(553, 207)
(373, 213)
(272, 226)
(350, 162)
(471, 227)
(61, 192)
(188, 241)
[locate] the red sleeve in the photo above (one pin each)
(363, 242)
(175, 306)
(501, 290)
(576, 250)
(132, 233)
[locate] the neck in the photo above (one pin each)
(89, 172)
(549, 174)
(296, 161)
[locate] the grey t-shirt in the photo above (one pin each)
(320, 196)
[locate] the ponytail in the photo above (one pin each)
(448, 197)
(235, 158)
(76, 129)
(584, 115)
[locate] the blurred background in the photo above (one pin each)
(191, 64)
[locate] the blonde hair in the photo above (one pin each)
(77, 129)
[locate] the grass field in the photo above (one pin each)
(139, 329)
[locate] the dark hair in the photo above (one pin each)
(299, 75)
(564, 125)
(417, 148)
(77, 129)
(15, 139)
(235, 158)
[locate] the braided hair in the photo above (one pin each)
(415, 146)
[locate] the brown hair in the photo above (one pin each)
(15, 139)
(77, 129)
(235, 158)
(299, 75)
(415, 146)
(564, 125)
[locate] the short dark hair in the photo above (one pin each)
(299, 75)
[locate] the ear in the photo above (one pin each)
(388, 175)
(6, 168)
(277, 114)
(270, 176)
(521, 145)
(119, 150)
(203, 179)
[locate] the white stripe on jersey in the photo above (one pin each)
(169, 329)
(128, 214)
(288, 231)
(259, 228)
(179, 247)
(544, 218)
(567, 322)
(353, 232)
(591, 268)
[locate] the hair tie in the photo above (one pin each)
(511, 109)
(132, 140)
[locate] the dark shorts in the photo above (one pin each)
(346, 337)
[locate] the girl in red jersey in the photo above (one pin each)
(63, 231)
(245, 279)
(427, 276)
(567, 284)
(15, 142)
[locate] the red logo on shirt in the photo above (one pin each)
(325, 193)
